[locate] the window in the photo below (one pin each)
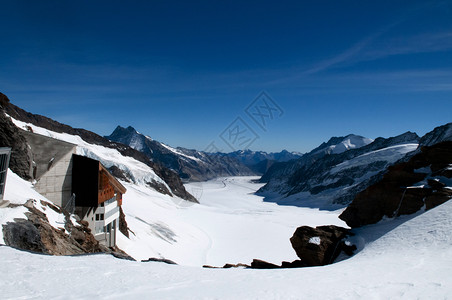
(99, 217)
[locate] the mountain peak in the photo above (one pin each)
(439, 134)
(336, 145)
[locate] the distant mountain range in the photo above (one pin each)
(193, 165)
(329, 176)
(336, 171)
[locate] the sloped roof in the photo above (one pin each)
(46, 151)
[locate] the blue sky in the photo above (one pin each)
(184, 72)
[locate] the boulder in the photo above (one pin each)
(319, 246)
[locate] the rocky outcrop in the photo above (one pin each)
(439, 134)
(261, 264)
(21, 157)
(424, 181)
(36, 234)
(321, 245)
(162, 260)
(123, 223)
(4, 101)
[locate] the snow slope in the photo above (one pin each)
(411, 261)
(389, 155)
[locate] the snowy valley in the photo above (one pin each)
(406, 252)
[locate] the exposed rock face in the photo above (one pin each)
(163, 260)
(36, 234)
(123, 223)
(21, 157)
(337, 177)
(260, 264)
(439, 134)
(4, 101)
(321, 245)
(407, 187)
(170, 177)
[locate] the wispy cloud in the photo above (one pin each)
(378, 45)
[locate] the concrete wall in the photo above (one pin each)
(56, 183)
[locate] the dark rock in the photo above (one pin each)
(22, 234)
(159, 187)
(4, 101)
(210, 267)
(435, 184)
(118, 173)
(118, 253)
(21, 157)
(319, 246)
(123, 223)
(294, 264)
(439, 134)
(400, 191)
(260, 264)
(163, 260)
(229, 266)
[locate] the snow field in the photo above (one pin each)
(230, 225)
(412, 261)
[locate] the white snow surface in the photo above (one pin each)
(389, 154)
(180, 153)
(315, 240)
(404, 258)
(411, 261)
(350, 142)
(230, 225)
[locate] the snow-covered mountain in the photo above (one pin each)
(337, 145)
(334, 172)
(260, 161)
(193, 165)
